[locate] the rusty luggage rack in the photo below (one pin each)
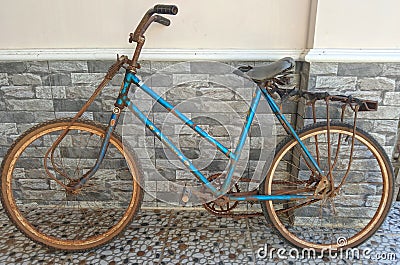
(348, 102)
(353, 102)
(311, 98)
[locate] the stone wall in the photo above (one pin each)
(375, 81)
(34, 92)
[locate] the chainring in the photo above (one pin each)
(221, 206)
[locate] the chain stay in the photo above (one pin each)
(223, 201)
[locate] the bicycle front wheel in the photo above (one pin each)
(49, 214)
(363, 185)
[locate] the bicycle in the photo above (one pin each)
(310, 195)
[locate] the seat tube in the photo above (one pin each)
(242, 140)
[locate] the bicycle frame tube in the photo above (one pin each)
(233, 156)
(243, 136)
(290, 130)
(181, 116)
(164, 139)
(266, 197)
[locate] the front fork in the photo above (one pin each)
(104, 146)
(119, 105)
(75, 185)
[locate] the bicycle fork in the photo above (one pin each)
(75, 185)
(112, 124)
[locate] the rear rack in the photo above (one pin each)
(364, 104)
(353, 102)
(345, 103)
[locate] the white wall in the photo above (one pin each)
(367, 24)
(213, 24)
(334, 30)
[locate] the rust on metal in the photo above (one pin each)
(223, 206)
(50, 152)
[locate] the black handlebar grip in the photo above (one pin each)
(166, 9)
(162, 20)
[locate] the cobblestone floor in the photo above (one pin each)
(190, 237)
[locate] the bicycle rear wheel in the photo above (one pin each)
(344, 219)
(44, 211)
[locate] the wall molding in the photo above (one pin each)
(149, 54)
(309, 55)
(353, 55)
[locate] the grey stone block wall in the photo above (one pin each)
(35, 92)
(374, 81)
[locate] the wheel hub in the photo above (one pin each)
(73, 187)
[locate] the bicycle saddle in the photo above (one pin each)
(264, 72)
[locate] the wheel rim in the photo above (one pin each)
(87, 209)
(341, 238)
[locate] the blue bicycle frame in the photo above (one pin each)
(234, 156)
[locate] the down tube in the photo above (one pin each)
(182, 117)
(164, 139)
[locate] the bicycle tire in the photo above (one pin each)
(351, 207)
(86, 222)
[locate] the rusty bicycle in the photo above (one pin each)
(328, 180)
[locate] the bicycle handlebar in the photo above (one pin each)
(162, 20)
(166, 9)
(148, 18)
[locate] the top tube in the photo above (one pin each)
(133, 78)
(233, 156)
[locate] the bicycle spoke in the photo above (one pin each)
(55, 215)
(297, 206)
(350, 210)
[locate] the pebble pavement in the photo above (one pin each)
(167, 236)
